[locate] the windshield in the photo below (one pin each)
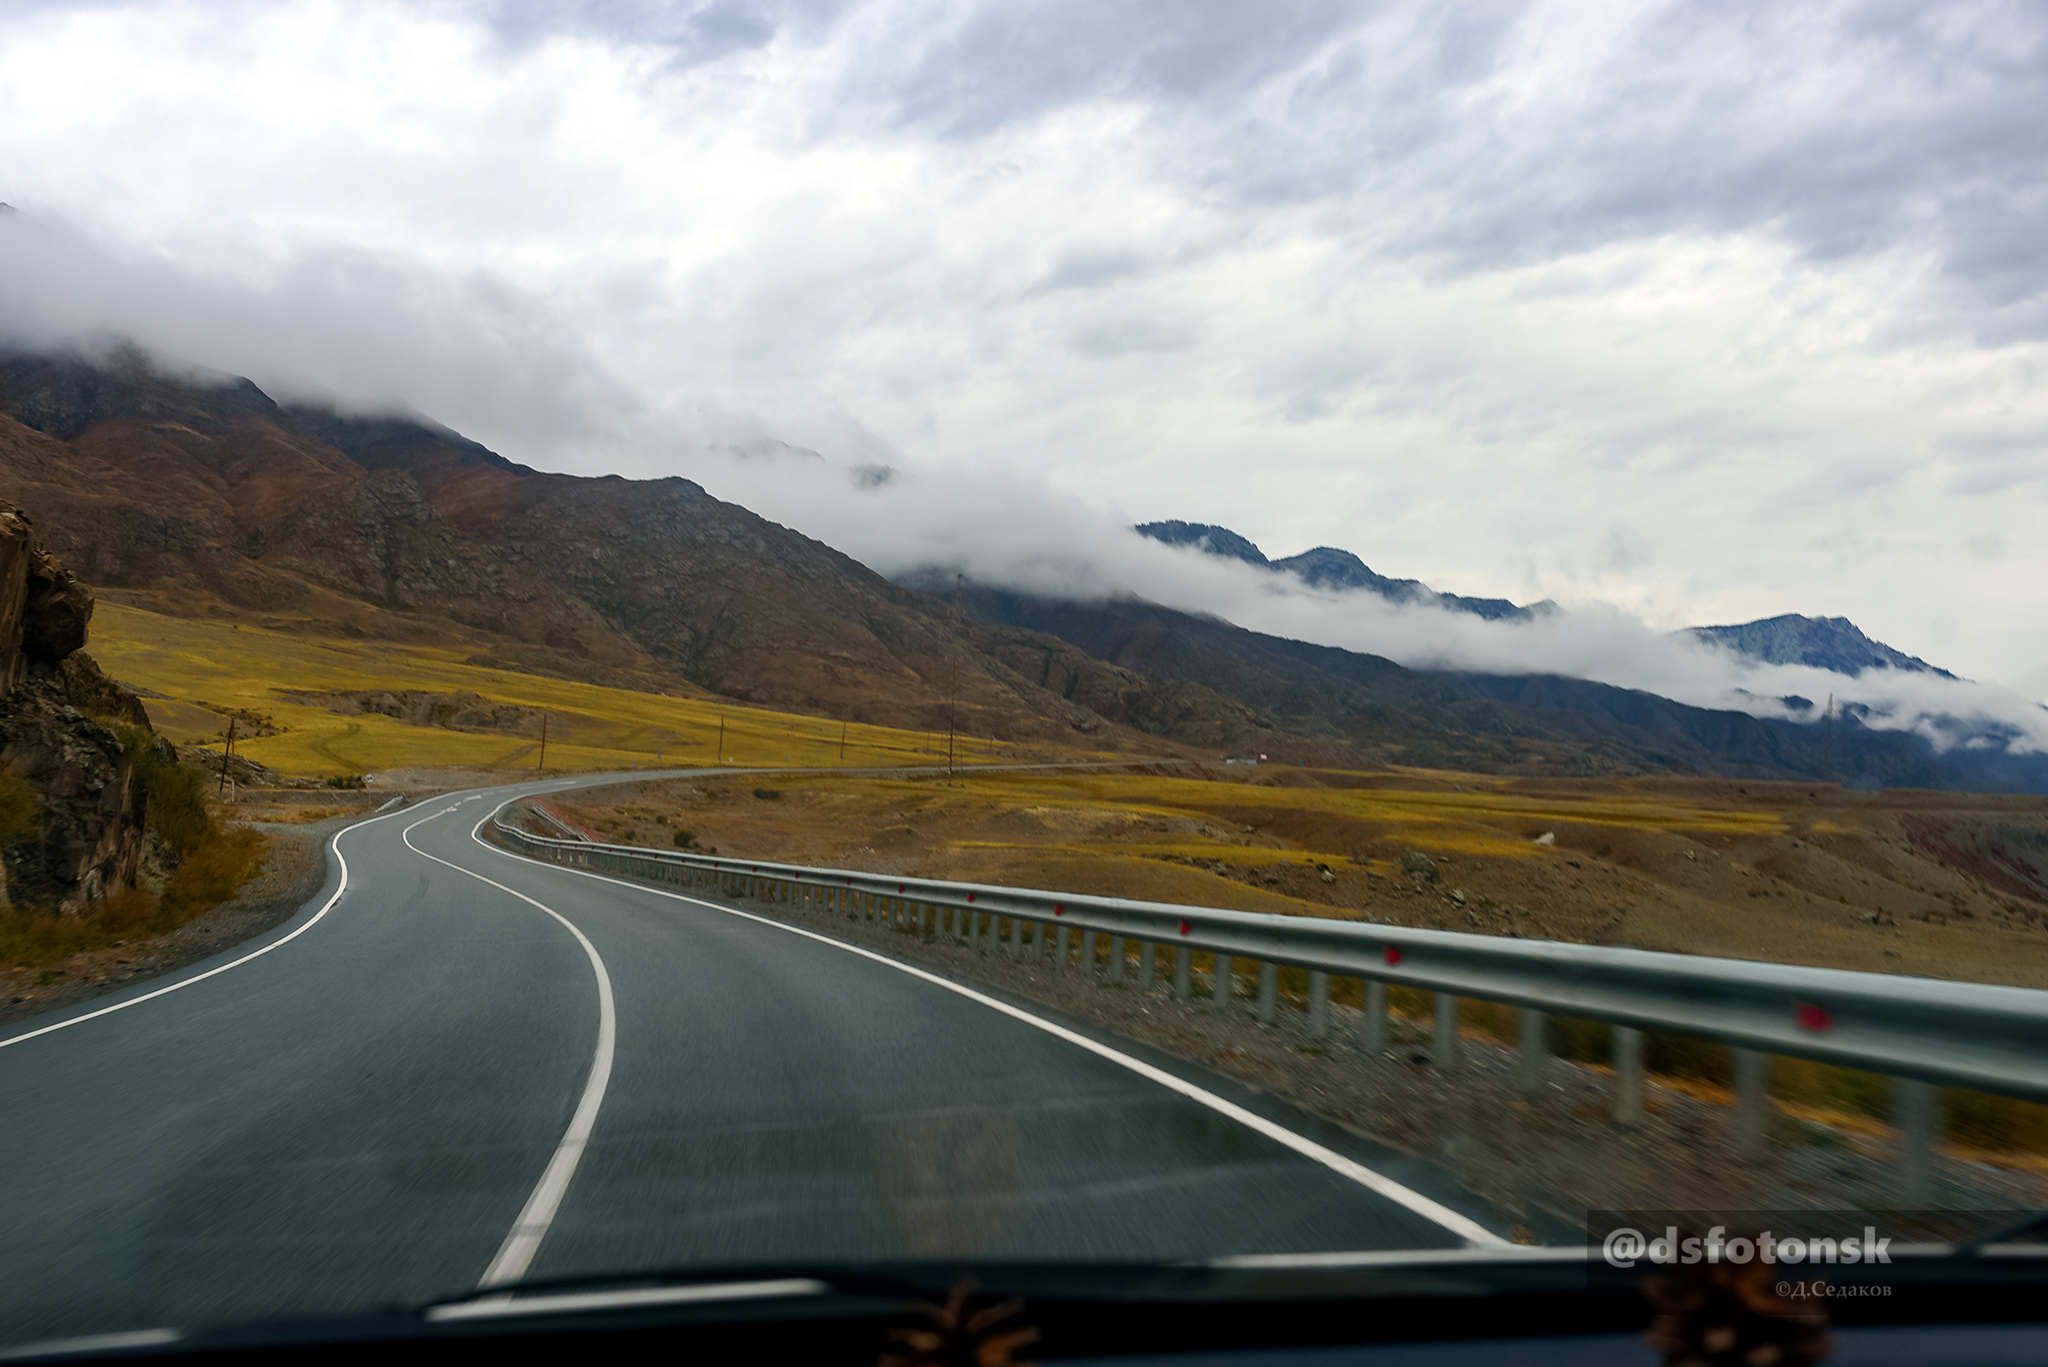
(742, 640)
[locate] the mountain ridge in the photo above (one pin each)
(1328, 567)
(1832, 643)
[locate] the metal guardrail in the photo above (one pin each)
(1924, 1032)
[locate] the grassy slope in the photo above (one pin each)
(591, 727)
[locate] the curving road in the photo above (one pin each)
(456, 1066)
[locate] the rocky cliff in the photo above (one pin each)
(88, 835)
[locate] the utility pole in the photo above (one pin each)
(543, 741)
(842, 742)
(953, 685)
(226, 755)
(719, 758)
(1829, 775)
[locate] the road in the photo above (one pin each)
(461, 1063)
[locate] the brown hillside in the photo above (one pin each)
(205, 497)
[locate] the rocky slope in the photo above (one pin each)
(86, 837)
(1834, 643)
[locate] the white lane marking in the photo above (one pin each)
(515, 1255)
(202, 977)
(1379, 1183)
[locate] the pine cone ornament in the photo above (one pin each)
(1723, 1315)
(960, 1335)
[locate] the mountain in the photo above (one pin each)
(199, 495)
(1832, 643)
(1323, 703)
(1326, 567)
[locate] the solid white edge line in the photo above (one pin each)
(254, 954)
(515, 1255)
(1409, 1199)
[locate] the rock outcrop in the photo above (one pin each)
(90, 837)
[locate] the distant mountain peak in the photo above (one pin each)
(1204, 536)
(1327, 567)
(1832, 643)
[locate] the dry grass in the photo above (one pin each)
(226, 665)
(1771, 874)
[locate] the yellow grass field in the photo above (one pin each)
(237, 667)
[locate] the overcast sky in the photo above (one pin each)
(1703, 312)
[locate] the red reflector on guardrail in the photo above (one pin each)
(1811, 1017)
(899, 887)
(1393, 955)
(970, 897)
(1059, 909)
(1185, 928)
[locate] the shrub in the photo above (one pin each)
(767, 794)
(684, 839)
(177, 792)
(127, 911)
(28, 938)
(209, 875)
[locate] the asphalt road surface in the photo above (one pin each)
(390, 1102)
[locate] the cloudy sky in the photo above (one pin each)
(1673, 313)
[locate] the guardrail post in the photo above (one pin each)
(1269, 991)
(1752, 1099)
(1628, 1077)
(1016, 938)
(1446, 1032)
(1116, 959)
(1534, 1050)
(1913, 1112)
(1372, 1025)
(1222, 983)
(1063, 959)
(1147, 959)
(1318, 1005)
(1183, 970)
